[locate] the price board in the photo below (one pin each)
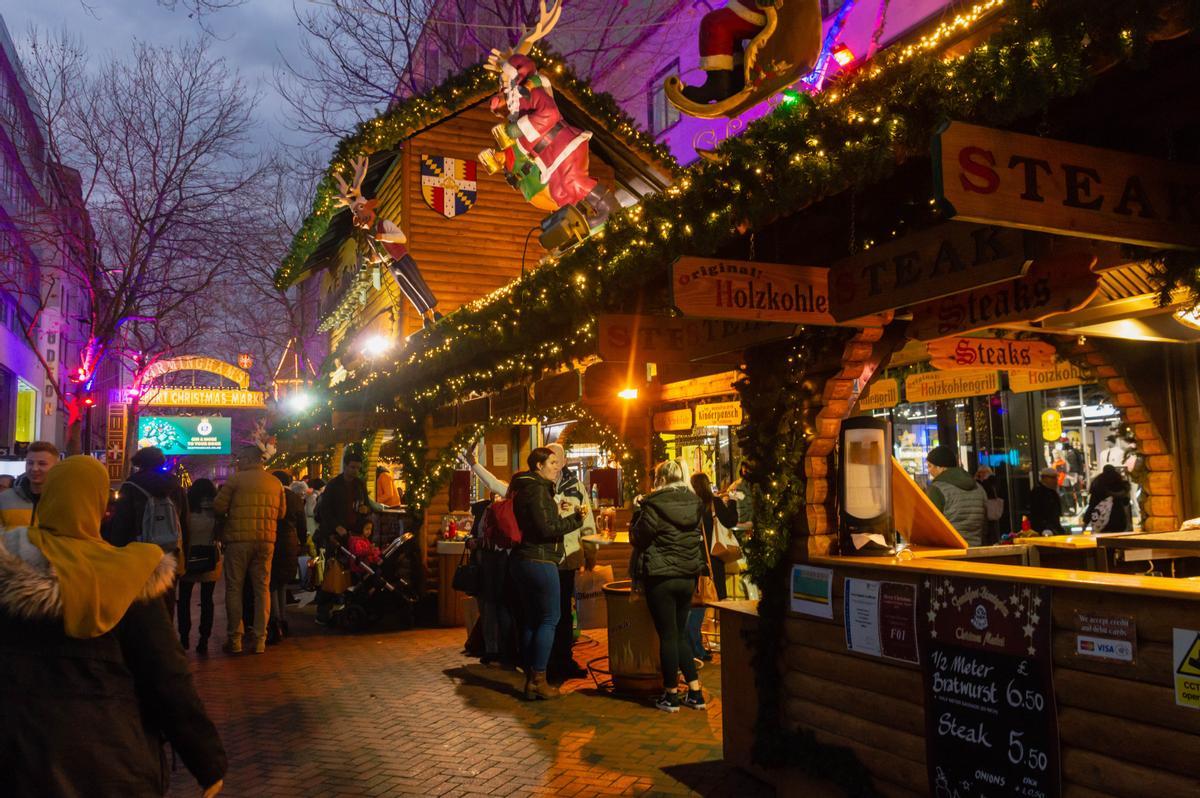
(991, 726)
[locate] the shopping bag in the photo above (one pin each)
(706, 591)
(589, 597)
(468, 577)
(725, 546)
(337, 577)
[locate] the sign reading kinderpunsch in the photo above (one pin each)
(717, 288)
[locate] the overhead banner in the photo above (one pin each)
(942, 260)
(1064, 374)
(203, 397)
(719, 414)
(933, 385)
(180, 435)
(662, 339)
(673, 420)
(879, 395)
(715, 288)
(1052, 285)
(1012, 179)
(992, 353)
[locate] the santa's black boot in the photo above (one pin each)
(718, 84)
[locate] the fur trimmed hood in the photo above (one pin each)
(29, 588)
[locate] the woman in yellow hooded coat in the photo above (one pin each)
(92, 677)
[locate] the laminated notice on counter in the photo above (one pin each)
(881, 619)
(812, 591)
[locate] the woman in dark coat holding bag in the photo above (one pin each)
(668, 557)
(200, 544)
(534, 563)
(94, 680)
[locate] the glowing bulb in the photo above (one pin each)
(629, 394)
(376, 345)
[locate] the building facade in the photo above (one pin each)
(44, 305)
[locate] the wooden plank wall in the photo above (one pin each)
(470, 255)
(1121, 733)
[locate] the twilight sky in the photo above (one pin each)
(250, 36)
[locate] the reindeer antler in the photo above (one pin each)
(350, 194)
(547, 19)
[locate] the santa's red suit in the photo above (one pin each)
(723, 31)
(559, 150)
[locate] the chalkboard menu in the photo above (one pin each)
(991, 728)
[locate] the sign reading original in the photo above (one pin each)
(719, 414)
(735, 289)
(1036, 183)
(672, 420)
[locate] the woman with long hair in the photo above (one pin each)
(534, 562)
(668, 557)
(201, 538)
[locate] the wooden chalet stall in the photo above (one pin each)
(1066, 664)
(470, 240)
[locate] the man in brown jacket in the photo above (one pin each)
(252, 502)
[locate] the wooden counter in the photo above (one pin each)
(450, 610)
(1120, 731)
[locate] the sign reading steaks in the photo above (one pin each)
(718, 288)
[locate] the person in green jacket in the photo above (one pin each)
(959, 497)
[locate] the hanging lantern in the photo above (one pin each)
(843, 55)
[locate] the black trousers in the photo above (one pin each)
(185, 607)
(564, 634)
(669, 599)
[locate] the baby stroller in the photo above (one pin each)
(393, 586)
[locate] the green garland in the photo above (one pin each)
(407, 118)
(424, 477)
(853, 134)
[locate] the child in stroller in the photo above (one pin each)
(384, 582)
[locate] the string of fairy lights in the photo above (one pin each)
(853, 134)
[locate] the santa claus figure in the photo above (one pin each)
(537, 132)
(722, 33)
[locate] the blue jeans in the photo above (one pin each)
(695, 626)
(538, 585)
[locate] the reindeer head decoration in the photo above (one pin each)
(350, 196)
(514, 65)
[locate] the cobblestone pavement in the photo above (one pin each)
(405, 713)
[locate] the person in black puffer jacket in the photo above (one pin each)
(668, 556)
(93, 678)
(534, 563)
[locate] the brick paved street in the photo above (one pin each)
(405, 713)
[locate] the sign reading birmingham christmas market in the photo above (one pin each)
(991, 727)
(179, 435)
(716, 288)
(1012, 179)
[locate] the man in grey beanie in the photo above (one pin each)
(960, 498)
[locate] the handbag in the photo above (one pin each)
(468, 577)
(337, 577)
(201, 559)
(993, 508)
(706, 588)
(725, 546)
(1101, 514)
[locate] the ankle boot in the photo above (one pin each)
(601, 201)
(183, 640)
(202, 645)
(718, 84)
(537, 687)
(273, 636)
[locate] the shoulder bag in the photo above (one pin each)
(706, 588)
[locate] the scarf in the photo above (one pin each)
(97, 581)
